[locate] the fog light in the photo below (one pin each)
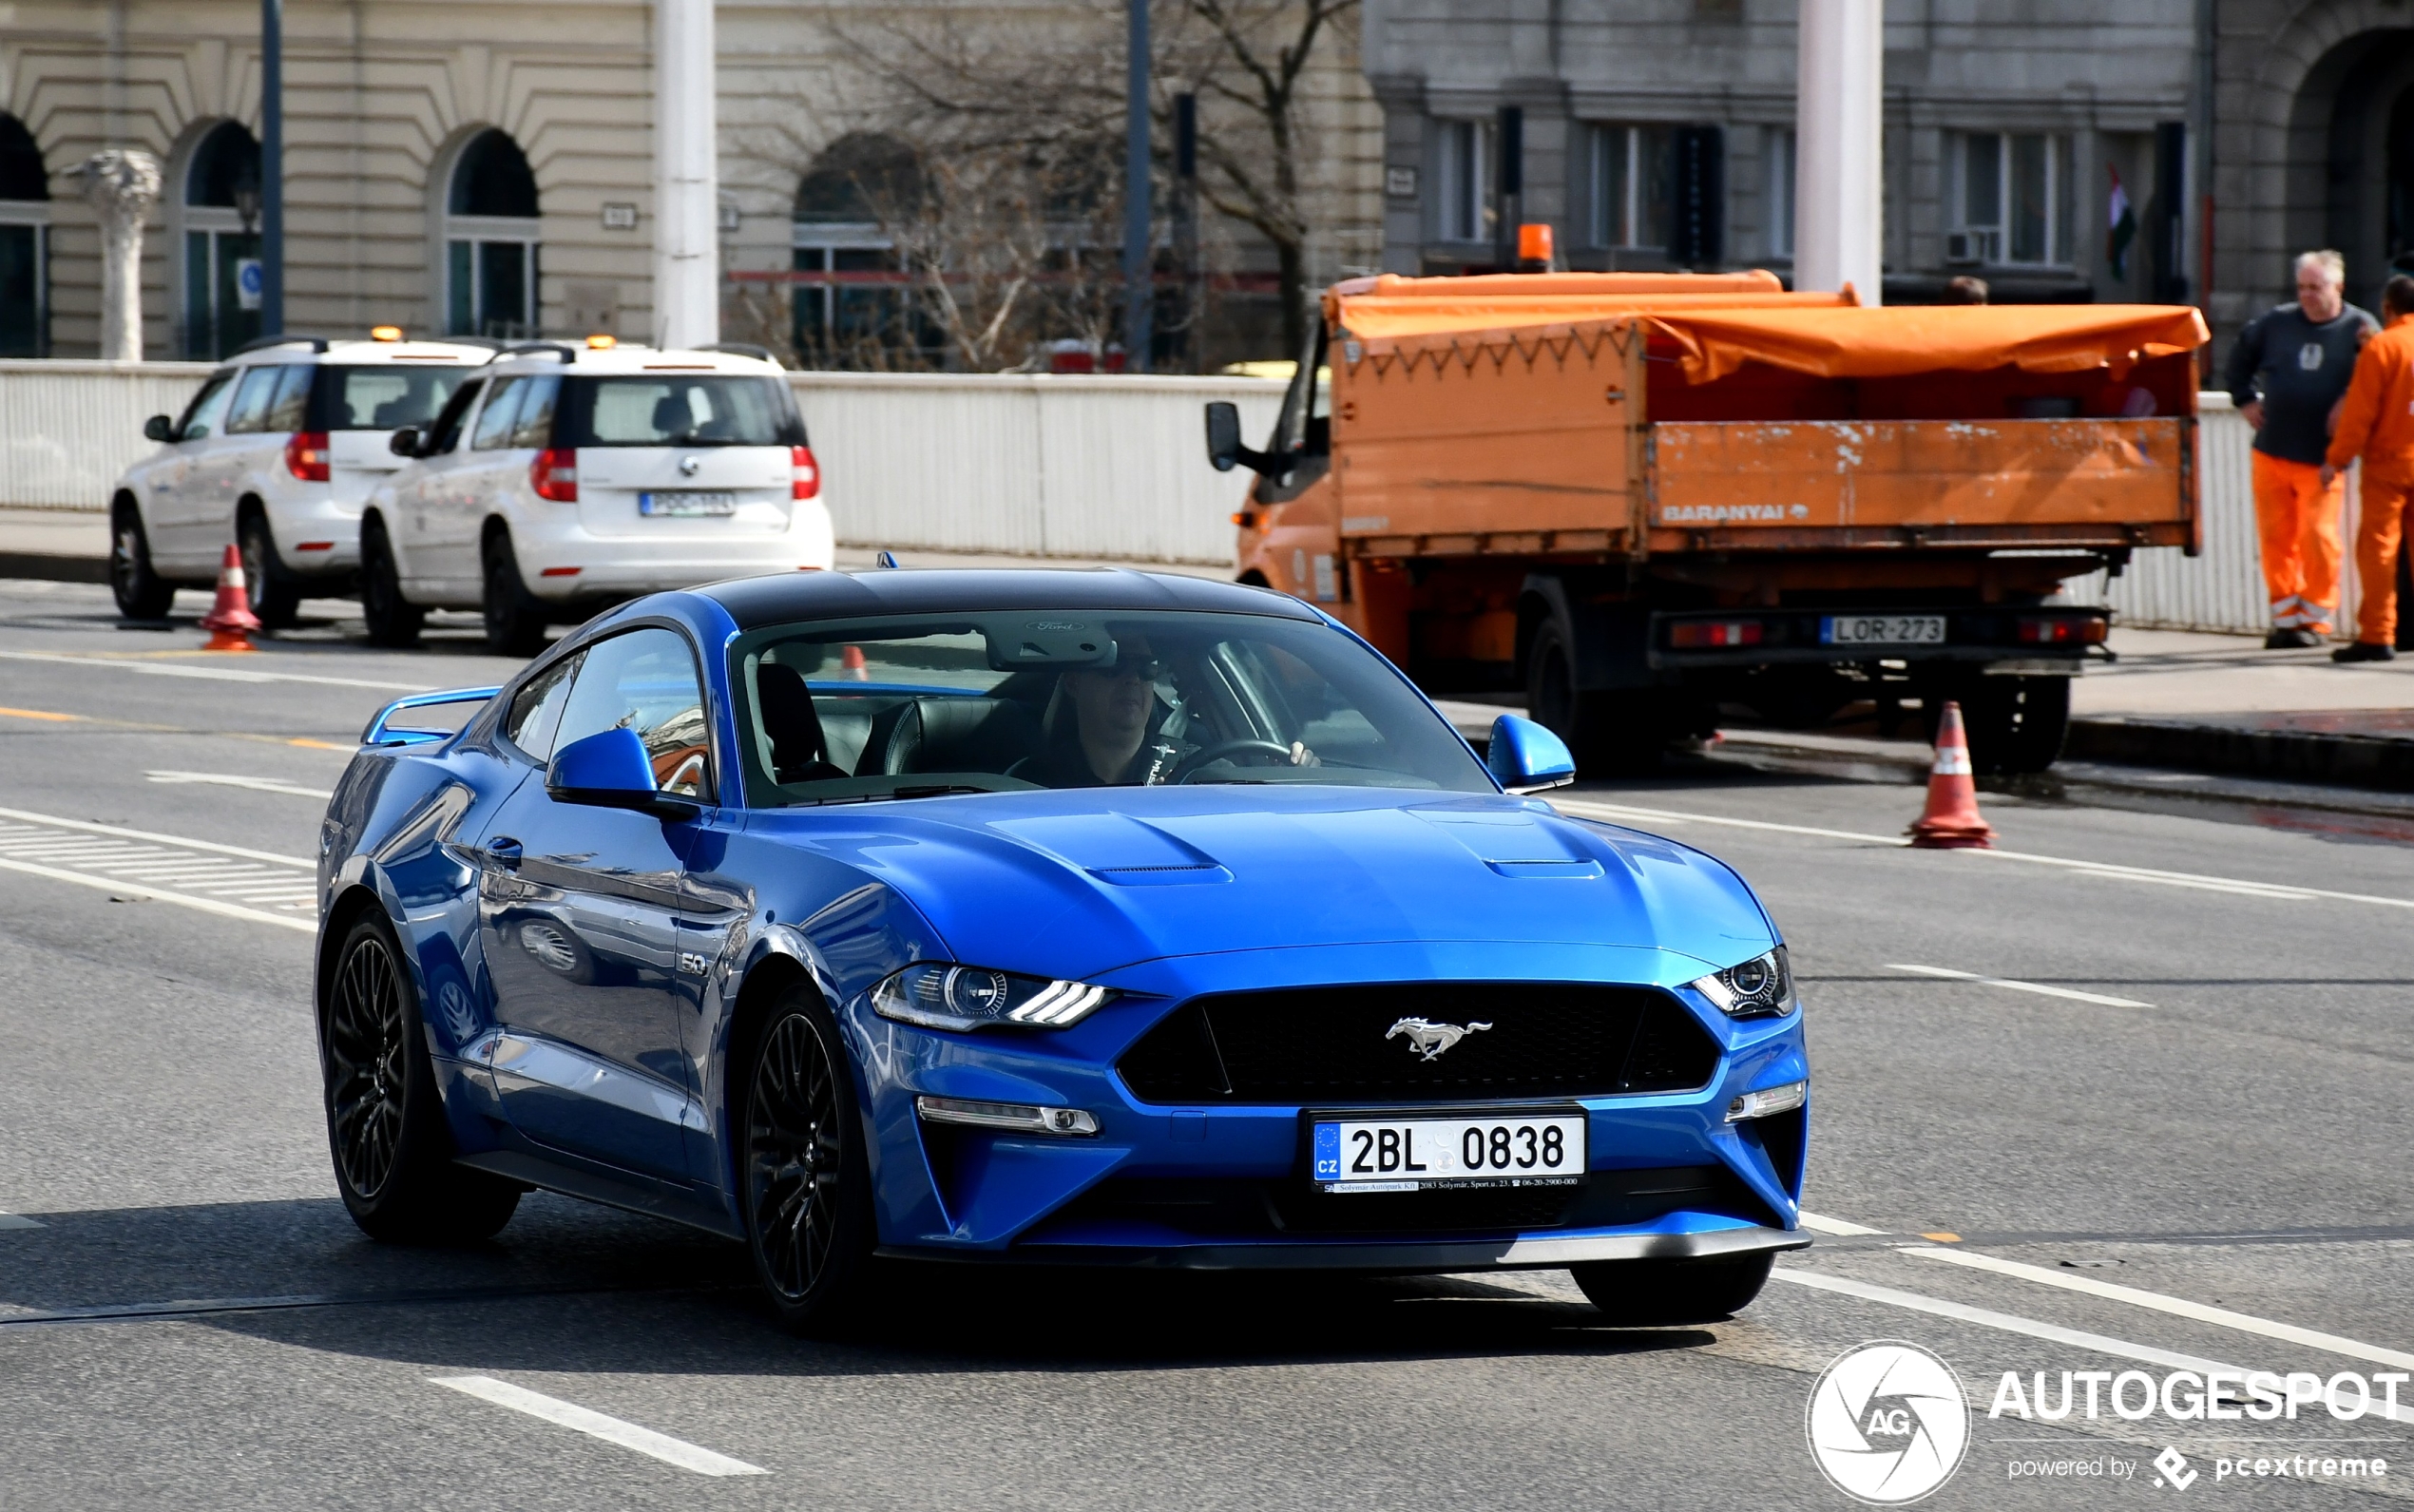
(1763, 1103)
(1021, 1116)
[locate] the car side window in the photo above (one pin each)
(538, 396)
(646, 680)
(290, 404)
(251, 398)
(445, 434)
(536, 710)
(494, 422)
(206, 414)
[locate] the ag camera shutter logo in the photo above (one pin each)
(1887, 1423)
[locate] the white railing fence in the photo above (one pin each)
(1053, 466)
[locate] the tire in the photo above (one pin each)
(274, 593)
(1610, 734)
(2014, 724)
(804, 1177)
(386, 1126)
(515, 621)
(141, 593)
(1658, 1293)
(393, 620)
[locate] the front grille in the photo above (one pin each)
(1335, 1044)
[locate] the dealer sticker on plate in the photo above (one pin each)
(1409, 1154)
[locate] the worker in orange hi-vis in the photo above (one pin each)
(2287, 374)
(2376, 423)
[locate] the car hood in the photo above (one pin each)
(1078, 883)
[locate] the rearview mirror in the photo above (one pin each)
(1223, 434)
(1525, 757)
(405, 442)
(610, 771)
(159, 427)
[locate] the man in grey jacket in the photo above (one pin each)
(2287, 375)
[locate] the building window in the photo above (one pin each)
(25, 243)
(221, 218)
(490, 240)
(1463, 181)
(1780, 195)
(1630, 184)
(2010, 198)
(857, 308)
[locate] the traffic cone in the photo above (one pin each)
(1951, 822)
(230, 620)
(851, 662)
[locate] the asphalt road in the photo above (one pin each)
(2160, 1118)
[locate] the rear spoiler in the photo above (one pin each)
(380, 732)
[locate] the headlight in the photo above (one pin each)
(1762, 987)
(937, 995)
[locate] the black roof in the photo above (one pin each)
(789, 597)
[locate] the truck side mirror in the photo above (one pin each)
(1223, 434)
(159, 427)
(405, 442)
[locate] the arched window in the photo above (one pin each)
(219, 204)
(25, 243)
(490, 240)
(860, 306)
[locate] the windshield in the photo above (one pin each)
(673, 410)
(920, 705)
(386, 397)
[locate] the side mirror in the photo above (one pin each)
(159, 427)
(405, 442)
(1223, 434)
(610, 771)
(1525, 757)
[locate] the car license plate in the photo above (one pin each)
(1409, 1154)
(1882, 629)
(689, 502)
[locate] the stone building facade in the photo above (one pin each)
(454, 165)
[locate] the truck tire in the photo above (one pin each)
(2014, 724)
(1583, 718)
(276, 596)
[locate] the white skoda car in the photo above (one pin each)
(277, 452)
(564, 478)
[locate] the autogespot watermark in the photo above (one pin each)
(1888, 1423)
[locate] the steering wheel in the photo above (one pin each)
(1197, 760)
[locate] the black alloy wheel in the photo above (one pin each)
(276, 596)
(515, 621)
(393, 620)
(394, 1154)
(139, 591)
(807, 1184)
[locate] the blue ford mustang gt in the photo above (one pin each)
(1056, 917)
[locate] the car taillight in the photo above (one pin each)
(805, 473)
(554, 474)
(1697, 635)
(306, 455)
(2058, 631)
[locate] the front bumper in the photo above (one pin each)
(1225, 1186)
(560, 561)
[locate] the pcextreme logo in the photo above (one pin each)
(1887, 1423)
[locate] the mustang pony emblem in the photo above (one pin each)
(1427, 1039)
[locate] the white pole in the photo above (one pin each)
(686, 177)
(1839, 146)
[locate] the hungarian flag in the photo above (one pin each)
(2123, 222)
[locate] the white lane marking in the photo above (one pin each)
(612, 1430)
(1620, 812)
(17, 1220)
(89, 827)
(2038, 988)
(229, 779)
(214, 674)
(161, 895)
(1817, 1223)
(2177, 1306)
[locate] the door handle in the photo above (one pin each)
(504, 852)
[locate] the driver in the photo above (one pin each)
(1105, 727)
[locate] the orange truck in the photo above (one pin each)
(1637, 497)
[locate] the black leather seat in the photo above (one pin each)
(949, 735)
(799, 751)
